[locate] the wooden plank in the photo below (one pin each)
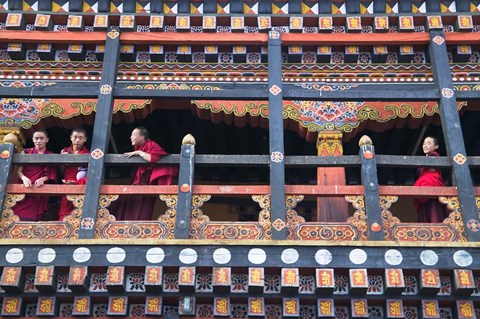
(6, 155)
(250, 160)
(452, 132)
(372, 197)
(185, 182)
(276, 137)
(237, 190)
(22, 36)
(101, 133)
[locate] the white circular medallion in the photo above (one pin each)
(462, 258)
(116, 255)
(188, 256)
(46, 255)
(358, 256)
(393, 257)
(82, 254)
(222, 256)
(14, 255)
(290, 256)
(323, 257)
(155, 255)
(257, 256)
(429, 257)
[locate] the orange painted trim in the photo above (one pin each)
(307, 190)
(462, 37)
(412, 38)
(21, 36)
(187, 38)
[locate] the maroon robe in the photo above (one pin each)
(31, 208)
(70, 175)
(429, 210)
(141, 207)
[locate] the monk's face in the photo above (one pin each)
(136, 138)
(429, 145)
(78, 140)
(40, 141)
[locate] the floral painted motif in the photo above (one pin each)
(204, 283)
(204, 311)
(307, 285)
(273, 312)
(271, 284)
(170, 282)
(97, 282)
(341, 285)
(307, 312)
(29, 283)
(411, 285)
(446, 286)
(375, 285)
(410, 312)
(239, 283)
(65, 310)
(342, 313)
(100, 310)
(136, 282)
(62, 283)
(137, 310)
(239, 311)
(19, 111)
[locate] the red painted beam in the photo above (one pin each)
(229, 190)
(21, 36)
(187, 38)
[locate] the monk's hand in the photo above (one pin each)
(26, 181)
(39, 182)
(130, 154)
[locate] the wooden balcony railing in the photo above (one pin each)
(363, 225)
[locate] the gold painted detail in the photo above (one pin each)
(173, 86)
(329, 143)
(8, 216)
(198, 217)
(455, 219)
(264, 215)
(103, 215)
(387, 217)
(359, 218)
(75, 217)
(168, 218)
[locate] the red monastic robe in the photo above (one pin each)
(429, 210)
(31, 208)
(70, 175)
(141, 207)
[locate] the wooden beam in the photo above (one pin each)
(452, 132)
(101, 133)
(251, 160)
(240, 190)
(275, 128)
(6, 154)
(372, 196)
(185, 186)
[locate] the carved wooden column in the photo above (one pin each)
(331, 209)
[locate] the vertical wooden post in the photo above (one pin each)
(277, 164)
(331, 209)
(101, 134)
(185, 185)
(452, 133)
(6, 154)
(370, 186)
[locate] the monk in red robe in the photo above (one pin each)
(31, 208)
(429, 210)
(141, 207)
(73, 174)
